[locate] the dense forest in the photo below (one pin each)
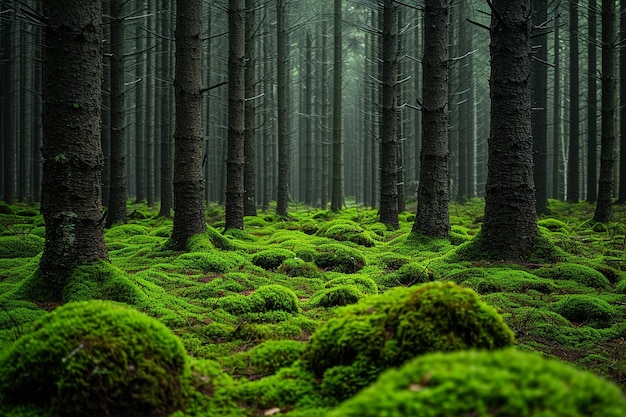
(304, 208)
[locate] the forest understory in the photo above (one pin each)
(280, 318)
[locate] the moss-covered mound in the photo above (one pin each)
(500, 383)
(96, 358)
(20, 246)
(339, 258)
(385, 330)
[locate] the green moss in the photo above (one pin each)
(385, 330)
(124, 231)
(296, 267)
(208, 261)
(20, 246)
(620, 287)
(394, 261)
(339, 295)
(96, 358)
(274, 297)
(339, 258)
(362, 282)
(581, 274)
(5, 208)
(264, 359)
(271, 258)
(408, 274)
(499, 383)
(554, 225)
(585, 309)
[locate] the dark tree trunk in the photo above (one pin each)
(325, 111)
(117, 190)
(141, 107)
(165, 170)
(236, 115)
(557, 172)
(433, 196)
(309, 160)
(389, 122)
(609, 94)
(282, 91)
(7, 108)
(71, 196)
(337, 191)
(539, 97)
(151, 109)
(592, 106)
(510, 222)
(573, 162)
(188, 179)
(249, 201)
(622, 114)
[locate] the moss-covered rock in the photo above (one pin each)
(271, 258)
(209, 261)
(498, 383)
(408, 274)
(585, 309)
(581, 274)
(96, 358)
(296, 267)
(274, 297)
(339, 258)
(388, 329)
(362, 282)
(339, 295)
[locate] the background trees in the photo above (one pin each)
(304, 169)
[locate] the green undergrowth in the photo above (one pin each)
(292, 315)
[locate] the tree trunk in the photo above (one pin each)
(141, 107)
(7, 103)
(389, 137)
(592, 106)
(337, 191)
(433, 196)
(165, 156)
(622, 111)
(249, 201)
(73, 160)
(510, 222)
(150, 110)
(282, 90)
(117, 190)
(309, 160)
(325, 111)
(557, 172)
(609, 86)
(236, 115)
(188, 179)
(539, 97)
(573, 162)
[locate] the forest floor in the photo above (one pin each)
(573, 309)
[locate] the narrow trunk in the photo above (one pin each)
(433, 196)
(592, 106)
(573, 161)
(236, 116)
(337, 191)
(622, 110)
(282, 91)
(389, 137)
(249, 200)
(539, 97)
(609, 86)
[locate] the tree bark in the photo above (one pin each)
(389, 122)
(510, 222)
(337, 191)
(622, 114)
(73, 161)
(117, 190)
(282, 91)
(249, 201)
(604, 210)
(433, 196)
(188, 179)
(236, 115)
(573, 162)
(592, 105)
(539, 97)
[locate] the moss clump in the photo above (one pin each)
(271, 258)
(296, 267)
(340, 295)
(409, 274)
(124, 231)
(350, 232)
(5, 208)
(585, 309)
(385, 330)
(212, 261)
(20, 246)
(363, 283)
(581, 274)
(339, 258)
(274, 297)
(500, 383)
(96, 358)
(264, 359)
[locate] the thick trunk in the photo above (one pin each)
(141, 108)
(557, 172)
(71, 196)
(389, 121)
(510, 222)
(433, 195)
(236, 115)
(622, 93)
(609, 86)
(188, 179)
(117, 190)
